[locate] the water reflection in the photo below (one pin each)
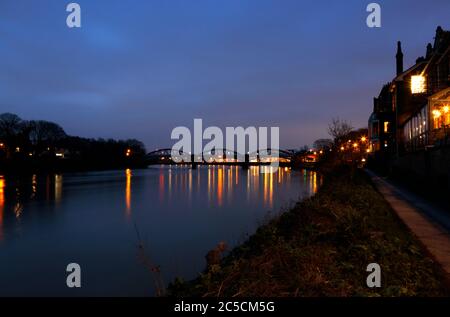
(33, 186)
(22, 189)
(18, 207)
(161, 185)
(58, 188)
(191, 211)
(2, 204)
(220, 184)
(128, 175)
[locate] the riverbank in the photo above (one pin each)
(322, 248)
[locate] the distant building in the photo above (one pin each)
(323, 144)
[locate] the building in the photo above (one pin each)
(323, 144)
(412, 111)
(411, 116)
(382, 123)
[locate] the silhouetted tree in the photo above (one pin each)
(10, 125)
(10, 131)
(339, 129)
(45, 134)
(33, 143)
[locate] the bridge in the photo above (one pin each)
(223, 157)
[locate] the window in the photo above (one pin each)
(415, 131)
(441, 115)
(386, 127)
(374, 133)
(418, 84)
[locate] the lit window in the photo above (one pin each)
(441, 116)
(386, 127)
(417, 84)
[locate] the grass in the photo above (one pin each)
(322, 248)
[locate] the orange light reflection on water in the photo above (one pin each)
(220, 184)
(2, 204)
(128, 191)
(58, 188)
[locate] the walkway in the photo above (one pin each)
(429, 223)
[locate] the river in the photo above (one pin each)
(98, 219)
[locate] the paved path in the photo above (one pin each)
(429, 223)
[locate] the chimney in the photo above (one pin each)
(429, 51)
(399, 58)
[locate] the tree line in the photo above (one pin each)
(44, 145)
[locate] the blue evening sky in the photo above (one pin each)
(137, 69)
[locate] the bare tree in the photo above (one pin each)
(45, 132)
(10, 125)
(339, 129)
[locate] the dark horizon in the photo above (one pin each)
(140, 72)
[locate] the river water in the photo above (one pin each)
(98, 220)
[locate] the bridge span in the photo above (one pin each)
(223, 157)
